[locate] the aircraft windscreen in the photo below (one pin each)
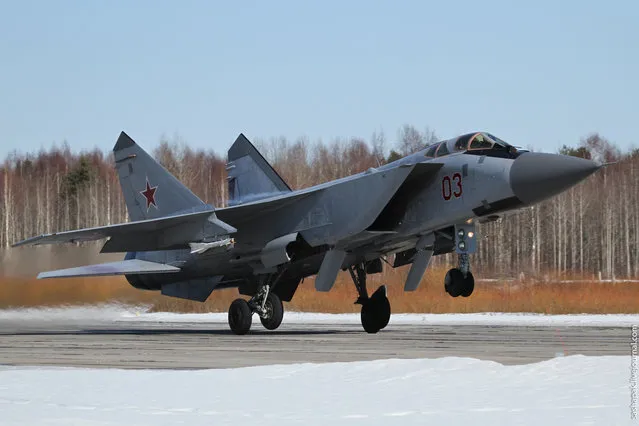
(499, 141)
(443, 149)
(481, 141)
(475, 142)
(431, 150)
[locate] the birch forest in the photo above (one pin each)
(589, 231)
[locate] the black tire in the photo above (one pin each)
(376, 311)
(275, 312)
(240, 317)
(370, 321)
(469, 285)
(384, 313)
(454, 282)
(382, 306)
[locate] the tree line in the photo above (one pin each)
(591, 229)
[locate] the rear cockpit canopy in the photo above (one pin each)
(472, 143)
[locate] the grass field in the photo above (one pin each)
(494, 296)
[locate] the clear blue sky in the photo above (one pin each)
(539, 73)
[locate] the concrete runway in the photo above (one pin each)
(182, 345)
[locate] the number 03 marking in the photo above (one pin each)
(452, 186)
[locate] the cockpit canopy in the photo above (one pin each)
(473, 143)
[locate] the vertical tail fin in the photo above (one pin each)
(250, 176)
(150, 191)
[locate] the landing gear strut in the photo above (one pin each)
(460, 281)
(376, 310)
(265, 303)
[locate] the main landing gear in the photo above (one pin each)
(376, 310)
(460, 281)
(265, 303)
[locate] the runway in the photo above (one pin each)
(85, 342)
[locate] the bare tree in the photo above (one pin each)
(592, 228)
(410, 139)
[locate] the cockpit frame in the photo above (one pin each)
(477, 143)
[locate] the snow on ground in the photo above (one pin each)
(140, 313)
(451, 391)
(108, 312)
(488, 318)
(565, 390)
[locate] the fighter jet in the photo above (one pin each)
(269, 237)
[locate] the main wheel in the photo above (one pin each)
(376, 311)
(469, 285)
(454, 282)
(370, 322)
(384, 313)
(240, 317)
(382, 306)
(274, 312)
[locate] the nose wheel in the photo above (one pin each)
(376, 309)
(460, 281)
(456, 284)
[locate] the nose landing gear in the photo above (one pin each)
(460, 281)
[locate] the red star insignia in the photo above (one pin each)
(149, 195)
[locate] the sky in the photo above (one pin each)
(538, 74)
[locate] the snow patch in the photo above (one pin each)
(128, 313)
(488, 318)
(452, 391)
(105, 312)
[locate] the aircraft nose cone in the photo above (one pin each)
(536, 176)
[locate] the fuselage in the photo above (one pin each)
(479, 177)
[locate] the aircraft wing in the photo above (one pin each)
(171, 232)
(150, 234)
(131, 266)
(240, 213)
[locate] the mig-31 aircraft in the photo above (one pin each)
(270, 237)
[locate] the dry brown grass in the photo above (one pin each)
(526, 296)
(29, 292)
